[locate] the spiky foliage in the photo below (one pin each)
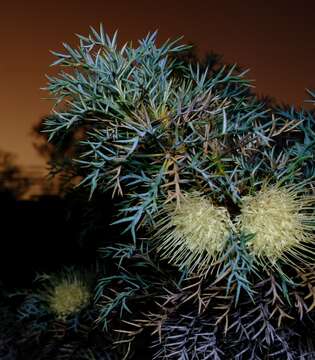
(8, 350)
(130, 287)
(155, 129)
(188, 337)
(266, 328)
(152, 130)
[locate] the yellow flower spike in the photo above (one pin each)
(281, 220)
(68, 296)
(195, 234)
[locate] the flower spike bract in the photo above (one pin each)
(281, 220)
(195, 234)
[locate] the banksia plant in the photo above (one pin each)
(213, 191)
(55, 319)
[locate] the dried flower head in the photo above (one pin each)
(68, 295)
(281, 220)
(194, 234)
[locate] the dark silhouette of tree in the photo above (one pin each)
(12, 181)
(58, 153)
(57, 149)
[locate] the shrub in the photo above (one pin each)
(205, 174)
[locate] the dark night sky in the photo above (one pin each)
(275, 39)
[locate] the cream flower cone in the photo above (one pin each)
(195, 234)
(281, 220)
(67, 296)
